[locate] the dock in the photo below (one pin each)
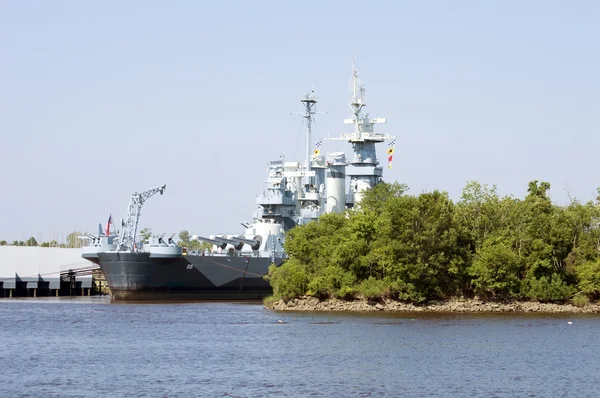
(48, 271)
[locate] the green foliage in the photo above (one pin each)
(184, 238)
(270, 300)
(346, 293)
(425, 247)
(331, 281)
(373, 289)
(145, 234)
(496, 270)
(31, 242)
(589, 278)
(544, 290)
(289, 280)
(580, 300)
(3, 243)
(374, 199)
(73, 240)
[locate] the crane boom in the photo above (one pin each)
(132, 217)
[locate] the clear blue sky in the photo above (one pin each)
(100, 99)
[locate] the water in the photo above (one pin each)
(92, 347)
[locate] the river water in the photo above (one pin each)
(92, 347)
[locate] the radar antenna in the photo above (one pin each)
(132, 218)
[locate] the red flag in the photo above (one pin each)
(390, 159)
(108, 225)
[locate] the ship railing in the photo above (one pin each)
(223, 254)
(236, 253)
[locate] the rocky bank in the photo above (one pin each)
(458, 305)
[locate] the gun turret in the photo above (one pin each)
(253, 243)
(234, 243)
(218, 243)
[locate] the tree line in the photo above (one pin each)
(73, 241)
(418, 248)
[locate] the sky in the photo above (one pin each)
(102, 99)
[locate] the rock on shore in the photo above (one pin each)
(457, 305)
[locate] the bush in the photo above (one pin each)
(346, 293)
(329, 282)
(288, 281)
(373, 289)
(270, 300)
(580, 300)
(398, 289)
(589, 278)
(549, 291)
(495, 270)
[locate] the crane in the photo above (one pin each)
(132, 217)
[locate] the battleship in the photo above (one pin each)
(234, 266)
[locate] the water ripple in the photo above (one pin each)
(96, 348)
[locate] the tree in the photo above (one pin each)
(589, 278)
(539, 190)
(423, 247)
(496, 270)
(184, 238)
(3, 243)
(31, 242)
(73, 240)
(374, 198)
(145, 234)
(481, 211)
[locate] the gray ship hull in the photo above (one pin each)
(138, 276)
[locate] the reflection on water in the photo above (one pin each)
(91, 346)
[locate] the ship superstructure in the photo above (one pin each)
(364, 170)
(297, 194)
(233, 268)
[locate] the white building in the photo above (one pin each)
(36, 268)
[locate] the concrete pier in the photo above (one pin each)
(39, 271)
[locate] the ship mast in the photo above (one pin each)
(309, 101)
(364, 170)
(356, 102)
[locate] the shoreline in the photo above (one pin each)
(453, 306)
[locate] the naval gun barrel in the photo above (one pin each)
(237, 242)
(234, 243)
(218, 243)
(253, 243)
